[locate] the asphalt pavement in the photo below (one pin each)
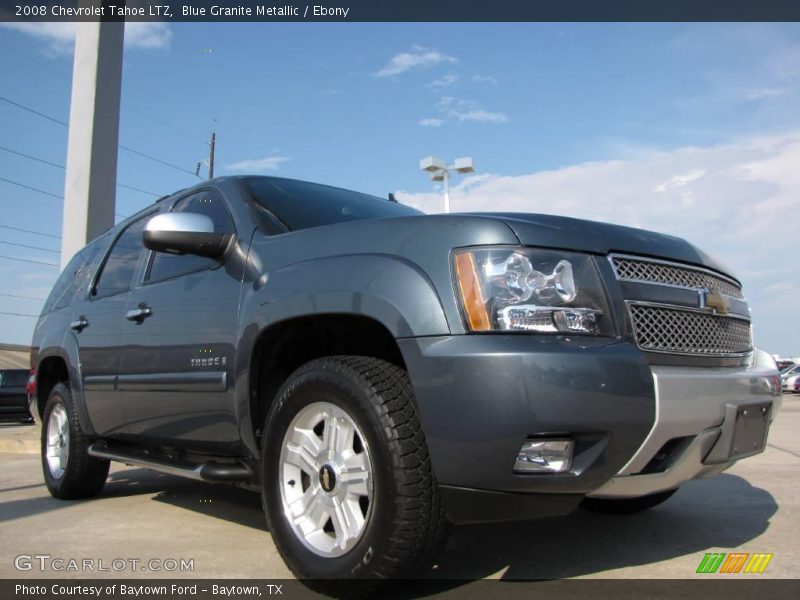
(148, 520)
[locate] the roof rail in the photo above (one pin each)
(168, 196)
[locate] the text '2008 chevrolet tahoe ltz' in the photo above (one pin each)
(378, 373)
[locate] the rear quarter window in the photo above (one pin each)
(72, 277)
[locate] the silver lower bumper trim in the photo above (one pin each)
(701, 404)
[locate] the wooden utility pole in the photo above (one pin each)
(211, 157)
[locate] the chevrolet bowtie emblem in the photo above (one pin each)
(714, 301)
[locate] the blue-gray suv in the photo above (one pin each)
(379, 373)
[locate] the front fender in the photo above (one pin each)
(391, 290)
(66, 348)
(387, 289)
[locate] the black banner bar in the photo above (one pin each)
(401, 10)
(711, 587)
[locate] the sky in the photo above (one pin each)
(687, 129)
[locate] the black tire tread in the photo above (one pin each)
(85, 475)
(420, 529)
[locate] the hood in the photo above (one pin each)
(603, 238)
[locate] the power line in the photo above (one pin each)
(19, 296)
(122, 104)
(36, 62)
(135, 189)
(28, 187)
(28, 156)
(35, 112)
(30, 247)
(158, 160)
(38, 262)
(34, 189)
(50, 235)
(52, 164)
(18, 314)
(120, 146)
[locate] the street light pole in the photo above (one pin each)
(213, 144)
(440, 171)
(446, 191)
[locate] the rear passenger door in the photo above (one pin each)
(176, 377)
(96, 322)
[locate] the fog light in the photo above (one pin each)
(544, 456)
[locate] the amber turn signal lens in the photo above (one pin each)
(471, 295)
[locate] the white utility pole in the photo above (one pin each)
(91, 179)
(440, 171)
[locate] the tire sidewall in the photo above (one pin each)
(59, 395)
(325, 385)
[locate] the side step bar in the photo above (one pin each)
(210, 472)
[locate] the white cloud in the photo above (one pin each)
(419, 57)
(480, 115)
(258, 165)
(765, 56)
(744, 197)
(764, 93)
(446, 81)
(58, 39)
(147, 35)
(458, 110)
(680, 185)
(431, 122)
(484, 79)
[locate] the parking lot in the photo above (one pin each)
(753, 507)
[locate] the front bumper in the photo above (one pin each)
(14, 407)
(481, 396)
(700, 408)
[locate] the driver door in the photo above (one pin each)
(178, 342)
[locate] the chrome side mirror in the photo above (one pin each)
(185, 233)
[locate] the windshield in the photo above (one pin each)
(300, 205)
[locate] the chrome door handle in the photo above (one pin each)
(139, 314)
(79, 324)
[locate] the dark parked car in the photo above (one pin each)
(13, 397)
(378, 373)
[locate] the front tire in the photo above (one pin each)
(69, 472)
(625, 506)
(348, 488)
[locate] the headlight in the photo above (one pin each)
(526, 289)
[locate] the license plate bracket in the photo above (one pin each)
(750, 429)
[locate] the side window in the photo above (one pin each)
(117, 272)
(209, 203)
(71, 278)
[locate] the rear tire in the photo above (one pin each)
(401, 525)
(625, 506)
(69, 472)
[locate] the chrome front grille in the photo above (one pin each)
(660, 323)
(664, 273)
(693, 332)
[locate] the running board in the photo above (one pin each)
(210, 472)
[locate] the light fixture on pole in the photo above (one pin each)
(440, 171)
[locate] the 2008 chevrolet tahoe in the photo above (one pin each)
(379, 373)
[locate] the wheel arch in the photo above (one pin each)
(62, 364)
(283, 347)
(347, 304)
